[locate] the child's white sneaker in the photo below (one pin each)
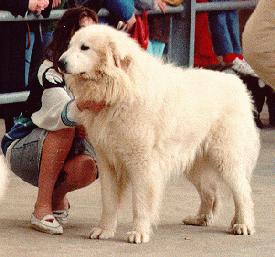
(48, 224)
(243, 67)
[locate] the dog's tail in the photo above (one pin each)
(4, 171)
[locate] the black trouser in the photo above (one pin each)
(270, 101)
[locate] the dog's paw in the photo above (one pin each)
(136, 237)
(100, 233)
(199, 220)
(242, 229)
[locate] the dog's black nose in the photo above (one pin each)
(61, 64)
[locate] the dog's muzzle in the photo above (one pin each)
(62, 65)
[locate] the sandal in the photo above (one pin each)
(48, 224)
(61, 216)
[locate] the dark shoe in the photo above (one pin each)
(270, 101)
(257, 120)
(258, 94)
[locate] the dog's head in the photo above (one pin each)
(98, 57)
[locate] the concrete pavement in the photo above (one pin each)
(171, 239)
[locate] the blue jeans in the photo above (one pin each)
(46, 38)
(224, 26)
(28, 55)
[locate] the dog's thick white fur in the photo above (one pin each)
(160, 121)
(4, 171)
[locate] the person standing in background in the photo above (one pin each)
(158, 25)
(225, 31)
(224, 27)
(259, 48)
(12, 53)
(258, 41)
(204, 55)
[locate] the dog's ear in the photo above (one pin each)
(121, 59)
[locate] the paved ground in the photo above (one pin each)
(171, 239)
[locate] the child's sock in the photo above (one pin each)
(229, 58)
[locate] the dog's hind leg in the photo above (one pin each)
(147, 189)
(205, 179)
(243, 221)
(109, 193)
(235, 155)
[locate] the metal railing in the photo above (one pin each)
(57, 14)
(182, 35)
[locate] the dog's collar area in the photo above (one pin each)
(98, 106)
(93, 106)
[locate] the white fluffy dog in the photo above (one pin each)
(160, 121)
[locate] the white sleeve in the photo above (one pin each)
(58, 110)
(43, 67)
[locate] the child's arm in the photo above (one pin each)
(57, 110)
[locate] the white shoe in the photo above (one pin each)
(48, 224)
(243, 67)
(61, 216)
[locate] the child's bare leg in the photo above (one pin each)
(80, 171)
(56, 147)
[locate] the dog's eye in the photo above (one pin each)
(84, 48)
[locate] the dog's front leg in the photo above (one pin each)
(147, 189)
(109, 193)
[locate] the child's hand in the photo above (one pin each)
(38, 5)
(52, 78)
(56, 3)
(130, 23)
(91, 106)
(162, 5)
(80, 131)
